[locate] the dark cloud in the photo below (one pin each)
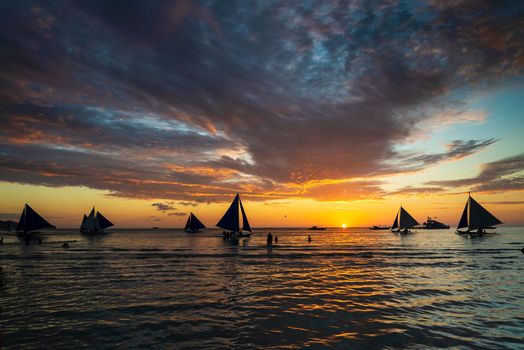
(455, 150)
(186, 204)
(196, 100)
(155, 218)
(506, 202)
(167, 208)
(498, 176)
(163, 207)
(9, 216)
(414, 191)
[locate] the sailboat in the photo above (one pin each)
(94, 223)
(476, 219)
(31, 222)
(403, 222)
(231, 220)
(193, 225)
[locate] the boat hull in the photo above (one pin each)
(402, 232)
(444, 227)
(475, 232)
(92, 233)
(192, 231)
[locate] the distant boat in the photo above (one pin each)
(8, 225)
(193, 225)
(476, 219)
(376, 228)
(231, 220)
(316, 228)
(95, 223)
(155, 228)
(432, 224)
(31, 222)
(403, 222)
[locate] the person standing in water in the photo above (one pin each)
(276, 239)
(309, 238)
(269, 239)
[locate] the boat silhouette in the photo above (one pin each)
(31, 222)
(231, 221)
(476, 219)
(94, 223)
(193, 225)
(403, 222)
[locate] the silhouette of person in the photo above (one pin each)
(276, 239)
(2, 240)
(269, 239)
(309, 238)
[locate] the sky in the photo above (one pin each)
(316, 112)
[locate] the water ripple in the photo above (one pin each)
(350, 289)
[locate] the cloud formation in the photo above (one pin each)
(503, 175)
(163, 207)
(197, 100)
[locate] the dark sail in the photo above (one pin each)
(395, 223)
(21, 222)
(195, 223)
(406, 220)
(479, 217)
(90, 223)
(464, 218)
(84, 220)
(230, 219)
(102, 221)
(30, 220)
(188, 222)
(245, 222)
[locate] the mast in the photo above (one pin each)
(464, 218)
(21, 222)
(188, 223)
(395, 223)
(83, 225)
(90, 223)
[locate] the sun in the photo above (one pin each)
(344, 225)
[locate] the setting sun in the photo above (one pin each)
(344, 225)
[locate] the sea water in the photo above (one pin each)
(347, 289)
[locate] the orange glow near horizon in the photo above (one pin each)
(64, 207)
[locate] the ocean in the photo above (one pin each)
(347, 289)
